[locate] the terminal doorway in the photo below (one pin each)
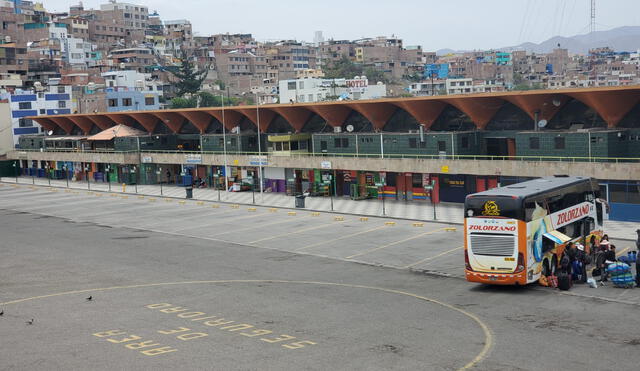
(501, 147)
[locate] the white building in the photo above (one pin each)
(78, 51)
(459, 86)
(317, 90)
(426, 88)
(135, 16)
(53, 100)
(132, 80)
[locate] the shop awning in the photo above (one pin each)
(557, 237)
(117, 131)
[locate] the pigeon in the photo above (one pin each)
(90, 298)
(30, 322)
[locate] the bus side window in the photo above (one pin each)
(529, 208)
(547, 245)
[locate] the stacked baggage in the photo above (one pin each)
(621, 275)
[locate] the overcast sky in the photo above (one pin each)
(434, 24)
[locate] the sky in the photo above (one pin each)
(454, 24)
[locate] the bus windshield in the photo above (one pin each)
(494, 206)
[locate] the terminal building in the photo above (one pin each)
(424, 149)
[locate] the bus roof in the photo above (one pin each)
(533, 187)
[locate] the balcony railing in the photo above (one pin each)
(358, 155)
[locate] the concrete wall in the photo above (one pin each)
(602, 170)
(6, 137)
(113, 158)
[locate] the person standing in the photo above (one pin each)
(168, 176)
(581, 266)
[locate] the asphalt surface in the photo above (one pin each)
(195, 286)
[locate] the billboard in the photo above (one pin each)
(436, 70)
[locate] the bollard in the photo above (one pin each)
(364, 219)
(124, 187)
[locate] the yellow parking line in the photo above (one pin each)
(290, 233)
(393, 243)
(258, 226)
(341, 238)
(431, 258)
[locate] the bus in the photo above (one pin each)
(515, 234)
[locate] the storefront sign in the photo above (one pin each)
(347, 176)
(146, 159)
(258, 161)
(192, 159)
(444, 169)
(325, 165)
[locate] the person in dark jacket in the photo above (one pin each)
(581, 259)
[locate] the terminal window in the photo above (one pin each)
(534, 143)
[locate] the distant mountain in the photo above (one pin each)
(625, 38)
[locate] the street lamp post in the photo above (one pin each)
(224, 148)
(216, 176)
(381, 187)
(15, 166)
(259, 148)
(46, 170)
(86, 173)
(66, 174)
(133, 171)
(108, 170)
(329, 184)
(430, 187)
(158, 172)
(253, 190)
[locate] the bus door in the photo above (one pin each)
(604, 194)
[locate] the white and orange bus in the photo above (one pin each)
(517, 233)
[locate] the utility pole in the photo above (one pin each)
(592, 24)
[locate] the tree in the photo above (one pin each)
(375, 75)
(190, 78)
(342, 68)
(180, 102)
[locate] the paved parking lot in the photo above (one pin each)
(425, 247)
(194, 284)
(371, 240)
